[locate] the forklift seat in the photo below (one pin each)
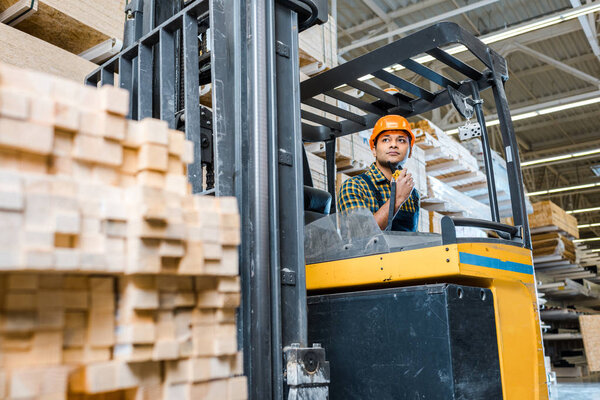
(317, 204)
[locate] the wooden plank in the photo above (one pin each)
(562, 336)
(25, 51)
(17, 12)
(590, 330)
(317, 44)
(76, 25)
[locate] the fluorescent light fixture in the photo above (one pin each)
(561, 157)
(584, 210)
(563, 107)
(564, 189)
(586, 240)
(544, 111)
(588, 225)
(510, 33)
(545, 160)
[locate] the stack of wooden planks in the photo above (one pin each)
(318, 47)
(115, 280)
(352, 154)
(452, 174)
(554, 253)
(548, 217)
(551, 247)
(446, 200)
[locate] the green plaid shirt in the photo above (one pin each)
(355, 193)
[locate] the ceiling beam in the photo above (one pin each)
(523, 73)
(560, 146)
(421, 5)
(379, 12)
(546, 124)
(539, 106)
(590, 32)
(558, 64)
(546, 146)
(417, 25)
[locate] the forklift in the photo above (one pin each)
(337, 308)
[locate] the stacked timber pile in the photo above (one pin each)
(552, 234)
(554, 255)
(318, 170)
(318, 47)
(114, 279)
(479, 190)
(571, 291)
(446, 160)
(49, 35)
(451, 171)
(352, 154)
(548, 217)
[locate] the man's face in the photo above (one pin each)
(391, 146)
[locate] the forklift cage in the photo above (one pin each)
(377, 63)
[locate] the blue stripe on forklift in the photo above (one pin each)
(489, 262)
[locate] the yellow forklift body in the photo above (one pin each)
(505, 269)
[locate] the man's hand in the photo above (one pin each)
(404, 186)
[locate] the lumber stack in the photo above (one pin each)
(554, 253)
(552, 246)
(453, 173)
(445, 157)
(352, 154)
(318, 170)
(446, 200)
(318, 47)
(115, 280)
(417, 166)
(548, 217)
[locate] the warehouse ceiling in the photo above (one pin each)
(549, 66)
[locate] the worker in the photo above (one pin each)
(391, 143)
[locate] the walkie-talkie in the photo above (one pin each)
(395, 168)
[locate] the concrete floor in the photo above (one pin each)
(576, 391)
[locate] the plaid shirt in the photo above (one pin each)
(355, 193)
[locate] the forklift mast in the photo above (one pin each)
(248, 139)
(247, 144)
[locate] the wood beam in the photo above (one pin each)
(25, 51)
(76, 25)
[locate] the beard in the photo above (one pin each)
(384, 160)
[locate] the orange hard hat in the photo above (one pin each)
(391, 123)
